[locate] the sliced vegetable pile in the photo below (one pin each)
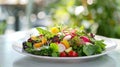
(63, 42)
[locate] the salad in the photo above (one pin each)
(63, 42)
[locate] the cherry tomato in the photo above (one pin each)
(63, 54)
(73, 54)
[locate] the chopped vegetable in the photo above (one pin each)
(55, 54)
(54, 46)
(65, 43)
(38, 45)
(61, 47)
(44, 40)
(63, 54)
(73, 54)
(68, 50)
(85, 39)
(89, 49)
(54, 30)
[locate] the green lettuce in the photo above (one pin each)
(54, 46)
(46, 33)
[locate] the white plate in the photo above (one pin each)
(110, 45)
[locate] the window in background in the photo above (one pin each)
(23, 14)
(98, 16)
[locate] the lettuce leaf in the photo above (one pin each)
(29, 44)
(46, 33)
(95, 48)
(89, 49)
(100, 44)
(54, 46)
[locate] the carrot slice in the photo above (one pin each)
(38, 45)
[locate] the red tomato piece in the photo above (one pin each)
(73, 54)
(63, 54)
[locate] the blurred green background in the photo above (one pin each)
(101, 17)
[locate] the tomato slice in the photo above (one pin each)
(63, 54)
(73, 54)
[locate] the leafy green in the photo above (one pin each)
(30, 47)
(44, 52)
(75, 41)
(82, 29)
(46, 33)
(91, 49)
(61, 37)
(29, 44)
(100, 44)
(98, 49)
(88, 49)
(55, 54)
(78, 49)
(29, 50)
(51, 51)
(54, 46)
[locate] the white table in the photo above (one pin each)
(10, 58)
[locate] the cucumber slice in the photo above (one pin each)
(68, 50)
